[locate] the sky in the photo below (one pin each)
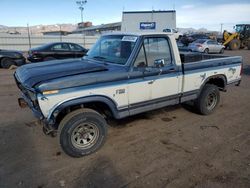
(190, 13)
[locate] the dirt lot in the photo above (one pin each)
(171, 147)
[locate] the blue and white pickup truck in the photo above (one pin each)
(122, 75)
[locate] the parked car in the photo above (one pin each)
(75, 97)
(175, 32)
(11, 57)
(57, 50)
(186, 39)
(206, 46)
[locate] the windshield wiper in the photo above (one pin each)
(103, 59)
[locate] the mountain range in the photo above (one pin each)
(39, 29)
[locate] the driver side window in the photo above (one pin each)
(153, 51)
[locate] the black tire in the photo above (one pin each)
(222, 51)
(248, 45)
(234, 44)
(206, 51)
(77, 127)
(7, 62)
(49, 58)
(208, 99)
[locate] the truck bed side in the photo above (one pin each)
(214, 66)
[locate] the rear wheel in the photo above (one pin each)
(234, 44)
(206, 51)
(82, 132)
(208, 100)
(6, 63)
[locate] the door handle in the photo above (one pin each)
(151, 82)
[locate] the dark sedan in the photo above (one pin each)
(58, 50)
(11, 57)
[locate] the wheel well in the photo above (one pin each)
(101, 107)
(220, 82)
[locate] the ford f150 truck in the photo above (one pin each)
(122, 75)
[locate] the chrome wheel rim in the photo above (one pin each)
(85, 135)
(211, 101)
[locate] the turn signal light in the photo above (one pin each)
(50, 92)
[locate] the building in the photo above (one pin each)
(99, 29)
(139, 21)
(84, 24)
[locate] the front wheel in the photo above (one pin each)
(208, 99)
(206, 51)
(82, 132)
(7, 63)
(234, 44)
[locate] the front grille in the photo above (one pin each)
(28, 93)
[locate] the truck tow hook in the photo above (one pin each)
(22, 103)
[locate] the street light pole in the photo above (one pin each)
(221, 26)
(81, 7)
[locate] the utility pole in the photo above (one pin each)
(60, 32)
(81, 7)
(28, 28)
(221, 26)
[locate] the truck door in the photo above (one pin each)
(154, 77)
(165, 83)
(138, 86)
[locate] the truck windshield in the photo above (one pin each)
(239, 28)
(113, 49)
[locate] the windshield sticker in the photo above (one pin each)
(129, 38)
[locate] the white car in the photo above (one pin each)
(175, 32)
(206, 46)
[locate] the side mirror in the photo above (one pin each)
(159, 63)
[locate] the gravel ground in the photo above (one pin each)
(171, 147)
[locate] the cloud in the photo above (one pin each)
(187, 6)
(210, 16)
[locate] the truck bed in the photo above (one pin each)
(189, 57)
(195, 61)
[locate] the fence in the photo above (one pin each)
(24, 42)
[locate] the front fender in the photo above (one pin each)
(83, 100)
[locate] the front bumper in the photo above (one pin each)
(37, 113)
(28, 100)
(48, 125)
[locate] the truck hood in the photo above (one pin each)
(31, 74)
